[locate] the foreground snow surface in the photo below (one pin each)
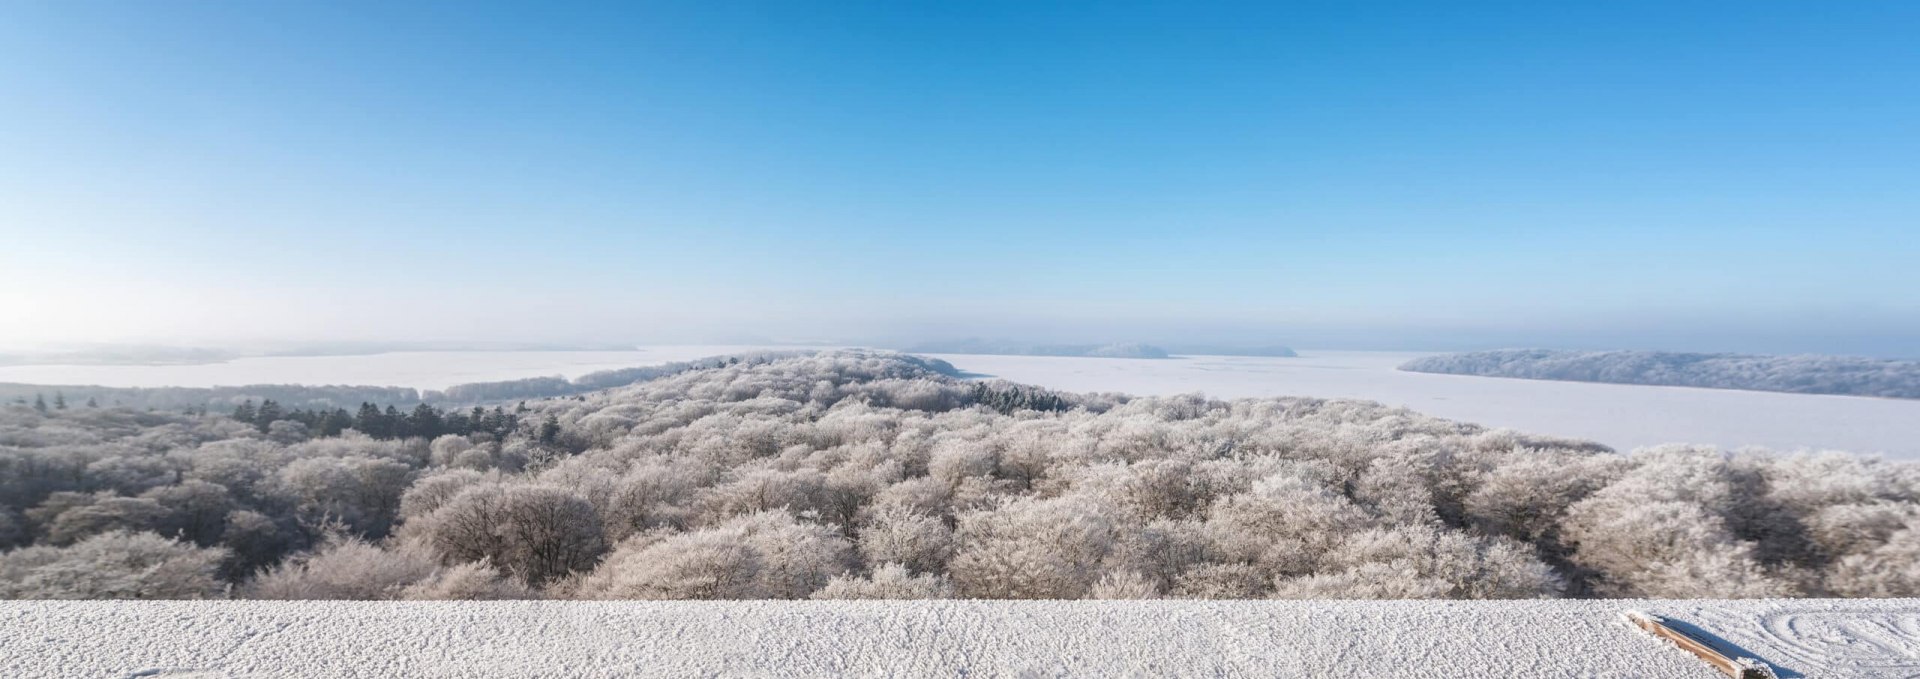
(1805, 638)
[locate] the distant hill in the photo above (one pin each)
(1842, 375)
(1004, 348)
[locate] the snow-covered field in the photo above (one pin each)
(1863, 639)
(1624, 416)
(1619, 415)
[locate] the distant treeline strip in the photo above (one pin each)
(332, 397)
(1842, 375)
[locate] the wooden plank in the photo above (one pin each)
(1738, 668)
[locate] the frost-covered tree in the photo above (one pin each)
(769, 555)
(115, 565)
(537, 533)
(898, 535)
(343, 568)
(1033, 549)
(889, 581)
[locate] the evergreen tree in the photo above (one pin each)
(493, 423)
(335, 421)
(424, 422)
(550, 430)
(455, 422)
(91, 403)
(40, 403)
(59, 401)
(244, 412)
(509, 422)
(269, 411)
(368, 421)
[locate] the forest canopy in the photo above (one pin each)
(1843, 375)
(866, 475)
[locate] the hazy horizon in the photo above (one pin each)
(1633, 175)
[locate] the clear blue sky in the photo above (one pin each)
(1689, 175)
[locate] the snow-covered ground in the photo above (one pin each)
(1863, 639)
(1624, 416)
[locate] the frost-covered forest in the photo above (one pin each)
(1845, 375)
(852, 475)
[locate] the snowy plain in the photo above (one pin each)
(1623, 416)
(1862, 639)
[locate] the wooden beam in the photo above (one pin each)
(1737, 668)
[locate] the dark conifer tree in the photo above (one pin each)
(368, 421)
(425, 422)
(335, 421)
(269, 411)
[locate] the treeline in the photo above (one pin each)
(874, 475)
(329, 397)
(216, 398)
(1004, 348)
(423, 421)
(1268, 351)
(1114, 350)
(549, 387)
(1008, 398)
(1842, 375)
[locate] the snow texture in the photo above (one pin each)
(1865, 639)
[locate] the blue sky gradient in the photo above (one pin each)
(1717, 176)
